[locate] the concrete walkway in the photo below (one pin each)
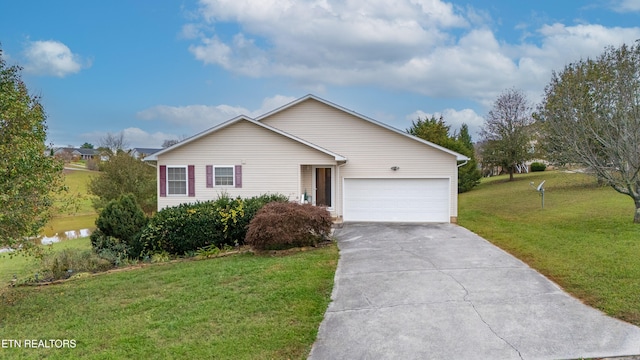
(442, 292)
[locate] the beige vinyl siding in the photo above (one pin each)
(307, 180)
(371, 149)
(271, 163)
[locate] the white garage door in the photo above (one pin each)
(396, 200)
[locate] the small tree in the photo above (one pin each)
(118, 229)
(507, 131)
(28, 177)
(591, 116)
(86, 146)
(123, 174)
(169, 142)
(113, 143)
(468, 175)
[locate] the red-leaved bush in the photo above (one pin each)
(280, 226)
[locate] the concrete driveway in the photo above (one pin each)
(442, 292)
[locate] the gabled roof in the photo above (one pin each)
(458, 156)
(81, 151)
(154, 156)
(146, 151)
(85, 151)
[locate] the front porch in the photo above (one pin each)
(318, 185)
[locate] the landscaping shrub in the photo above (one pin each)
(251, 207)
(186, 228)
(93, 164)
(118, 231)
(65, 263)
(537, 166)
(280, 226)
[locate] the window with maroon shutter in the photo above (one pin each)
(223, 176)
(163, 180)
(209, 176)
(176, 180)
(238, 173)
(192, 180)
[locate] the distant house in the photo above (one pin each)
(88, 154)
(68, 153)
(141, 153)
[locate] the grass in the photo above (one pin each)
(584, 239)
(83, 218)
(83, 215)
(237, 307)
(22, 266)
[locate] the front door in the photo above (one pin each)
(323, 187)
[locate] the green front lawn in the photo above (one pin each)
(584, 238)
(236, 307)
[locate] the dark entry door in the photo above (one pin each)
(323, 187)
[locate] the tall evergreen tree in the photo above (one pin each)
(438, 132)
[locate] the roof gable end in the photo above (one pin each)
(458, 156)
(154, 156)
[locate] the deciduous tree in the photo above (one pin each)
(29, 178)
(113, 143)
(120, 175)
(591, 116)
(169, 142)
(506, 132)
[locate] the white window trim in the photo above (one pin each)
(233, 175)
(186, 179)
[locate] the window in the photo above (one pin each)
(223, 175)
(177, 180)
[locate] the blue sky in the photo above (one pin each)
(168, 69)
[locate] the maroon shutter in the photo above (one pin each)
(163, 180)
(209, 176)
(192, 180)
(238, 171)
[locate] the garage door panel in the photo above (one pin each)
(396, 200)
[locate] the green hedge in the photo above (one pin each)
(185, 228)
(537, 166)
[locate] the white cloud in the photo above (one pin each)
(425, 46)
(191, 31)
(200, 117)
(624, 6)
(135, 137)
(311, 34)
(453, 118)
(196, 117)
(52, 58)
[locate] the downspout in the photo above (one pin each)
(341, 189)
(464, 163)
